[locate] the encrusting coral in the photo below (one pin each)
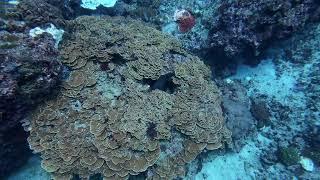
(132, 92)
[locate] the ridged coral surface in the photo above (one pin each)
(131, 95)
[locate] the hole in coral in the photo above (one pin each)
(140, 176)
(134, 69)
(96, 177)
(151, 130)
(75, 177)
(118, 59)
(163, 83)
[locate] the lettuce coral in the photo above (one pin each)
(132, 92)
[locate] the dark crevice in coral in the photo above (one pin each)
(163, 83)
(117, 59)
(135, 69)
(75, 177)
(174, 52)
(151, 130)
(96, 177)
(140, 176)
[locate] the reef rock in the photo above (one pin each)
(248, 26)
(39, 12)
(29, 71)
(135, 101)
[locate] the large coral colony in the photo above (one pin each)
(99, 90)
(131, 94)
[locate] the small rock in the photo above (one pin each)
(306, 163)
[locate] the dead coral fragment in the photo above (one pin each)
(113, 122)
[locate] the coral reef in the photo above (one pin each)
(39, 12)
(57, 34)
(134, 101)
(225, 27)
(247, 27)
(29, 71)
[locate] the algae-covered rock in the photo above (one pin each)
(132, 93)
(260, 112)
(289, 156)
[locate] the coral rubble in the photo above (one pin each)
(134, 101)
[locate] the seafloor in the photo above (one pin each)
(138, 89)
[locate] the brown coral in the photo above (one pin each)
(113, 122)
